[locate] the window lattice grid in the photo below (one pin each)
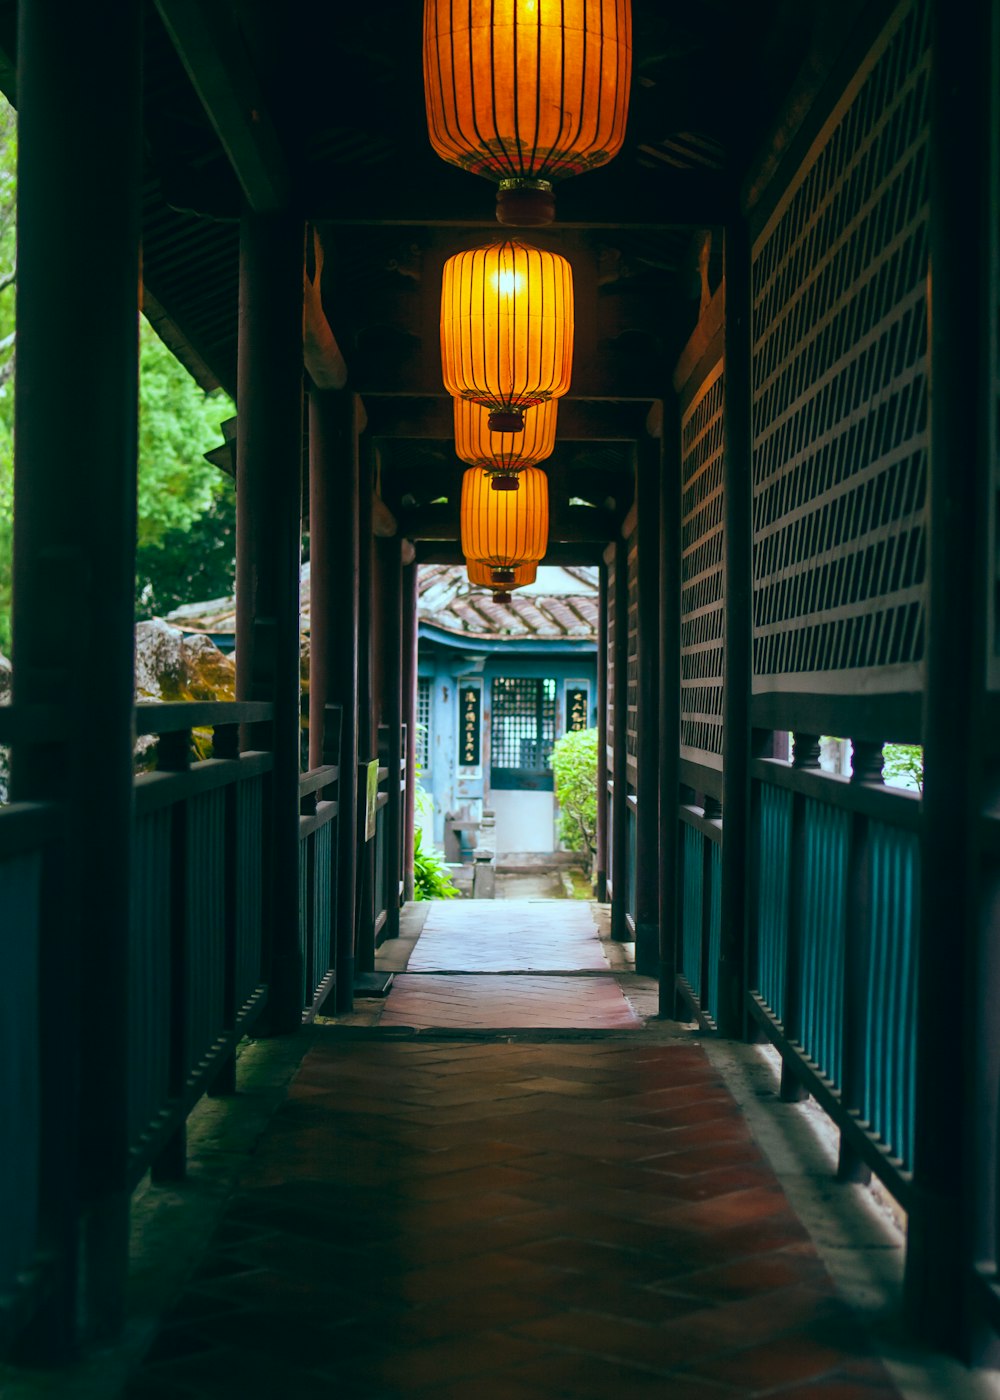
(632, 670)
(840, 385)
(523, 722)
(993, 270)
(423, 737)
(610, 659)
(702, 573)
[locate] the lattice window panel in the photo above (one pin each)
(423, 750)
(610, 660)
(840, 389)
(702, 575)
(523, 722)
(632, 673)
(993, 253)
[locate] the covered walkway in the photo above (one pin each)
(777, 447)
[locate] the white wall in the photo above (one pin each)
(525, 821)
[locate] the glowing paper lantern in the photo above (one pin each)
(507, 329)
(527, 91)
(505, 528)
(503, 455)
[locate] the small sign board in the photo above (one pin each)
(470, 708)
(371, 799)
(577, 708)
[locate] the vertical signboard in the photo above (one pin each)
(577, 706)
(470, 724)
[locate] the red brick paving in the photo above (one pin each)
(515, 1222)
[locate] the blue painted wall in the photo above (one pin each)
(447, 662)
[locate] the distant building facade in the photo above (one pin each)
(498, 685)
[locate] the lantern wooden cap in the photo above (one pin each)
(525, 203)
(481, 575)
(506, 420)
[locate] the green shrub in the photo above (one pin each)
(574, 767)
(430, 878)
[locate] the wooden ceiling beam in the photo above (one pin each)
(436, 552)
(615, 198)
(571, 525)
(211, 48)
(432, 419)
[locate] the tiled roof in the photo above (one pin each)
(560, 604)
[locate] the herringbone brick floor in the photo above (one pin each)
(437, 1219)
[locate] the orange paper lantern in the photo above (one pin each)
(507, 329)
(505, 528)
(527, 91)
(503, 455)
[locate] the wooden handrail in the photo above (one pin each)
(318, 778)
(171, 717)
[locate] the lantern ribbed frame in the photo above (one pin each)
(507, 326)
(505, 528)
(481, 575)
(527, 89)
(504, 453)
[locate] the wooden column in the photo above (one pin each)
(939, 1262)
(601, 863)
(619, 772)
(732, 1017)
(364, 937)
(392, 715)
(333, 552)
(669, 702)
(647, 883)
(79, 93)
(268, 521)
(410, 629)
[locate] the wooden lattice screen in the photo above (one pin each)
(702, 574)
(610, 658)
(839, 394)
(631, 545)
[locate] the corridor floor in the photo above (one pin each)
(461, 974)
(514, 1217)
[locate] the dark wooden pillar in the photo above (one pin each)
(601, 890)
(619, 756)
(79, 93)
(391, 643)
(333, 552)
(647, 884)
(410, 659)
(364, 940)
(669, 702)
(939, 1261)
(268, 535)
(736, 637)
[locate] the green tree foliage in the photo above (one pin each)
(904, 761)
(430, 876)
(187, 509)
(186, 533)
(574, 766)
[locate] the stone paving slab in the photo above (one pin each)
(510, 935)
